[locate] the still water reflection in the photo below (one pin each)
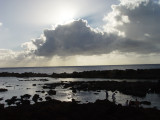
(16, 87)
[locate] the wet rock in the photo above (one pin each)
(52, 92)
(48, 98)
(74, 90)
(43, 80)
(11, 101)
(18, 103)
(35, 98)
(43, 91)
(75, 101)
(25, 102)
(25, 96)
(40, 99)
(3, 90)
(1, 106)
(145, 102)
(119, 105)
(1, 98)
(38, 91)
(14, 98)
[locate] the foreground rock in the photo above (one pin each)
(35, 98)
(100, 110)
(52, 92)
(3, 90)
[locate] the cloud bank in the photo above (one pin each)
(137, 20)
(131, 26)
(76, 38)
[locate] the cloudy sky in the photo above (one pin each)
(79, 32)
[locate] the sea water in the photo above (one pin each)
(70, 69)
(21, 86)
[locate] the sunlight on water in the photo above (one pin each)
(70, 69)
(18, 87)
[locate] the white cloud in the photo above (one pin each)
(0, 24)
(133, 4)
(141, 16)
(147, 35)
(9, 58)
(78, 38)
(6, 54)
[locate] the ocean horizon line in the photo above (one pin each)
(76, 66)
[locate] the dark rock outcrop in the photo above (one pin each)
(100, 110)
(52, 92)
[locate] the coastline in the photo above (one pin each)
(101, 109)
(117, 74)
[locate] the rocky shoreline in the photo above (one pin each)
(117, 74)
(57, 110)
(139, 89)
(99, 110)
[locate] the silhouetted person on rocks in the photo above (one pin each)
(107, 95)
(113, 97)
(127, 103)
(137, 103)
(131, 103)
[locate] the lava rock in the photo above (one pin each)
(52, 92)
(25, 96)
(3, 90)
(35, 98)
(48, 98)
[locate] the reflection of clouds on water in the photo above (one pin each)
(19, 88)
(63, 95)
(88, 96)
(154, 99)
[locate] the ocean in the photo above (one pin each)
(70, 69)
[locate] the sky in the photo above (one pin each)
(79, 32)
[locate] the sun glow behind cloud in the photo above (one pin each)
(65, 15)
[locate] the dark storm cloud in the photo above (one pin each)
(75, 38)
